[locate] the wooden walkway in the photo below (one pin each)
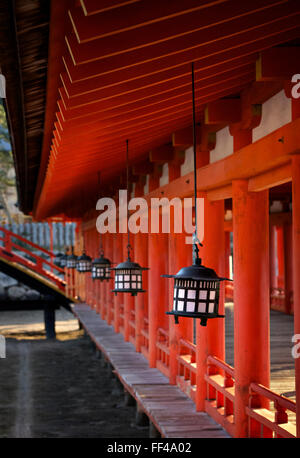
(167, 407)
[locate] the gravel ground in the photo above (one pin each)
(58, 388)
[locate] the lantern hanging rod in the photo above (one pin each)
(127, 188)
(195, 237)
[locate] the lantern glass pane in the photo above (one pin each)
(201, 307)
(181, 293)
(212, 294)
(191, 294)
(190, 306)
(203, 294)
(211, 307)
(180, 305)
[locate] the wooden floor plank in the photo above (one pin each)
(161, 401)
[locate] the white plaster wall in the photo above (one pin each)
(224, 145)
(146, 187)
(188, 165)
(164, 179)
(276, 112)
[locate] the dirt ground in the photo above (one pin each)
(58, 389)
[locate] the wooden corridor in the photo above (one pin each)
(161, 401)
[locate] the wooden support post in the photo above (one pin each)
(158, 289)
(296, 269)
(280, 256)
(273, 257)
(117, 258)
(288, 266)
(128, 298)
(251, 297)
(180, 255)
(49, 318)
(211, 339)
(141, 300)
(109, 284)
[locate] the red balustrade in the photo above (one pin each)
(266, 423)
(220, 392)
(15, 248)
(132, 327)
(163, 351)
(145, 338)
(187, 368)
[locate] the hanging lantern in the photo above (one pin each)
(128, 278)
(71, 260)
(196, 293)
(57, 259)
(128, 274)
(101, 268)
(63, 260)
(196, 288)
(84, 263)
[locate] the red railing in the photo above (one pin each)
(220, 392)
(163, 352)
(132, 327)
(121, 319)
(186, 378)
(14, 248)
(264, 422)
(145, 338)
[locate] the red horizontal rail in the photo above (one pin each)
(276, 398)
(214, 361)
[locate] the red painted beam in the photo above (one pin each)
(223, 111)
(183, 31)
(278, 63)
(134, 16)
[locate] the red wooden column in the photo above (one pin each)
(273, 257)
(251, 296)
(211, 338)
(141, 300)
(116, 259)
(288, 266)
(280, 256)
(109, 284)
(128, 298)
(296, 269)
(180, 255)
(158, 288)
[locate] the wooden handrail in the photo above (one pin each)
(214, 361)
(276, 398)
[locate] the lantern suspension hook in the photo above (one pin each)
(127, 188)
(195, 237)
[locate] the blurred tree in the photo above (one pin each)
(6, 164)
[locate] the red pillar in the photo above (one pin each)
(158, 289)
(288, 266)
(280, 256)
(211, 338)
(141, 300)
(180, 255)
(128, 298)
(296, 270)
(117, 258)
(251, 296)
(273, 257)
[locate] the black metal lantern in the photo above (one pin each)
(101, 268)
(128, 278)
(196, 288)
(63, 260)
(128, 274)
(57, 259)
(71, 260)
(84, 263)
(196, 292)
